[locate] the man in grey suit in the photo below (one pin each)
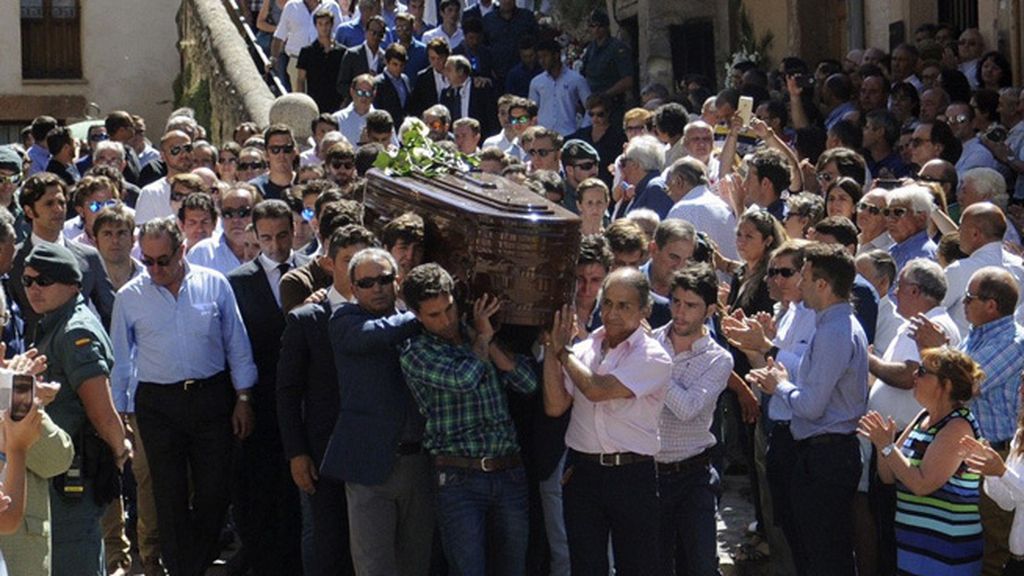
(44, 199)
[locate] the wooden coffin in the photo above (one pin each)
(492, 235)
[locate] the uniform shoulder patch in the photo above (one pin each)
(83, 342)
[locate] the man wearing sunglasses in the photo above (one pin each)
(11, 177)
(365, 58)
(178, 332)
(352, 118)
(43, 198)
(270, 533)
(906, 219)
(376, 447)
(224, 252)
(579, 162)
(874, 234)
(960, 118)
(155, 198)
(282, 152)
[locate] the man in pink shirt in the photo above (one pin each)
(616, 382)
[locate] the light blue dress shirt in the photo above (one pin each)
(162, 339)
(214, 252)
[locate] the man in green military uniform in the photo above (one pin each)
(80, 357)
(608, 65)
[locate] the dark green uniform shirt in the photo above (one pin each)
(77, 348)
(606, 64)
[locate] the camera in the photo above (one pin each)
(996, 133)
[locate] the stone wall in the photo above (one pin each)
(218, 77)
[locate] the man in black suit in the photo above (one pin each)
(44, 199)
(464, 99)
(264, 497)
(61, 145)
(121, 128)
(307, 404)
(376, 447)
(431, 81)
(367, 58)
(393, 89)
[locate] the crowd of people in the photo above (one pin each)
(823, 295)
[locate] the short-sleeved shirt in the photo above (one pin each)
(641, 364)
(77, 349)
(321, 66)
(606, 64)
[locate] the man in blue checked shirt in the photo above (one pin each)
(996, 343)
(177, 328)
(459, 381)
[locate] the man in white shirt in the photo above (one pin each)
(449, 29)
(561, 93)
(352, 118)
(982, 228)
(971, 47)
(155, 199)
(687, 186)
(878, 268)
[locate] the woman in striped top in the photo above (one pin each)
(938, 526)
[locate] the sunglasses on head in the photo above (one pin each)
(242, 212)
(97, 205)
(382, 280)
(286, 149)
(784, 272)
(181, 148)
(346, 164)
(12, 179)
(251, 166)
(42, 281)
(870, 209)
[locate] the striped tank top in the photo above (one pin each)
(939, 534)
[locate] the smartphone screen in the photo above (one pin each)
(22, 394)
(745, 109)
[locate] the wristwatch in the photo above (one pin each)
(244, 397)
(886, 451)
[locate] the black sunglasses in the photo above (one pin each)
(588, 165)
(287, 149)
(383, 280)
(870, 209)
(242, 212)
(784, 272)
(177, 150)
(251, 166)
(339, 164)
(42, 281)
(921, 371)
(163, 261)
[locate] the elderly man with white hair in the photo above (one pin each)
(986, 185)
(640, 167)
(906, 218)
(687, 183)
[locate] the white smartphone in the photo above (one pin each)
(746, 109)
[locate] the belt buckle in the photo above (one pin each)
(615, 459)
(486, 464)
(188, 384)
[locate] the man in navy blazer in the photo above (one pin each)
(394, 93)
(264, 497)
(357, 60)
(376, 447)
(307, 404)
(466, 100)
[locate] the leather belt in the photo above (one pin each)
(690, 464)
(409, 448)
(484, 464)
(1000, 446)
(193, 383)
(825, 439)
(614, 458)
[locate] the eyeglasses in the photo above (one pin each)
(12, 179)
(598, 113)
(364, 93)
(968, 297)
(542, 152)
(179, 196)
(375, 31)
(958, 119)
(286, 149)
(179, 149)
(161, 262)
(251, 165)
(588, 165)
(96, 205)
(870, 209)
(242, 212)
(921, 371)
(824, 177)
(42, 281)
(634, 128)
(227, 160)
(339, 164)
(98, 137)
(382, 280)
(784, 272)
(519, 119)
(895, 212)
(307, 214)
(915, 142)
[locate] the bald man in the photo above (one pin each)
(982, 227)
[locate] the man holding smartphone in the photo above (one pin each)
(80, 358)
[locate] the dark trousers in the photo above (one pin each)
(780, 459)
(1013, 567)
(621, 501)
(188, 436)
(689, 501)
(822, 487)
(331, 555)
(266, 503)
(882, 499)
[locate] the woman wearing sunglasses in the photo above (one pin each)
(938, 525)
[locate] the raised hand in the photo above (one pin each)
(879, 430)
(484, 308)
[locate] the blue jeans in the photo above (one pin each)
(474, 508)
(689, 501)
(554, 520)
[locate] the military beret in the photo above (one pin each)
(579, 150)
(55, 262)
(10, 159)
